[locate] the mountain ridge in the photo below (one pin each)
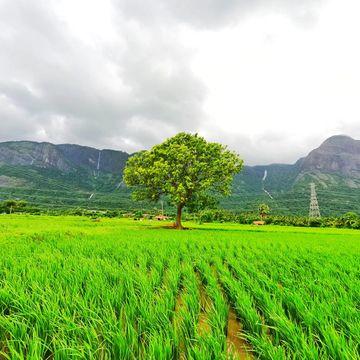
(43, 167)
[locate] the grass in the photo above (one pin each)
(71, 288)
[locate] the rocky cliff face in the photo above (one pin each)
(337, 155)
(27, 153)
(335, 163)
(65, 157)
(109, 161)
(71, 175)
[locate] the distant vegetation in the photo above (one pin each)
(264, 210)
(349, 220)
(71, 176)
(13, 206)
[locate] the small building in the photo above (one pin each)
(161, 217)
(258, 223)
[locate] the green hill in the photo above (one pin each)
(67, 175)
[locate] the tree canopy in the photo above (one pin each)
(186, 168)
(9, 206)
(264, 210)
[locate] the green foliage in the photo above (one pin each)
(349, 220)
(11, 206)
(52, 189)
(72, 288)
(57, 188)
(138, 214)
(186, 169)
(264, 210)
(315, 222)
(215, 215)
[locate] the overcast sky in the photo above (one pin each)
(272, 79)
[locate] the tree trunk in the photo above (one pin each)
(178, 224)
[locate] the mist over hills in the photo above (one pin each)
(68, 174)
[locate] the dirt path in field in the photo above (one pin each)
(236, 346)
(177, 323)
(4, 347)
(205, 303)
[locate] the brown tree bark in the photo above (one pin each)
(178, 224)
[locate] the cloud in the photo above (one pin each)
(210, 14)
(69, 90)
(120, 73)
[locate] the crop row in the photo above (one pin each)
(78, 296)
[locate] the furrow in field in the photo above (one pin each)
(179, 350)
(4, 350)
(191, 312)
(205, 305)
(318, 322)
(258, 341)
(157, 317)
(283, 330)
(178, 318)
(236, 345)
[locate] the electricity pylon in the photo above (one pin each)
(314, 211)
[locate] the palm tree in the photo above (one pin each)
(264, 210)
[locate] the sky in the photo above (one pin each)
(270, 79)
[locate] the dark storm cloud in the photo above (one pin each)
(127, 93)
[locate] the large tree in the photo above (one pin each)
(185, 168)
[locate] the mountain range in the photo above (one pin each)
(68, 175)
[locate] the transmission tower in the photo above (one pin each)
(314, 211)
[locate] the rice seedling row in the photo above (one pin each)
(70, 288)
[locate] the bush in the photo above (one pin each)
(315, 222)
(350, 220)
(216, 216)
(13, 206)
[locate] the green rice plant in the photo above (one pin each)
(71, 288)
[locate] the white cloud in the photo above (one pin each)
(268, 78)
(271, 79)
